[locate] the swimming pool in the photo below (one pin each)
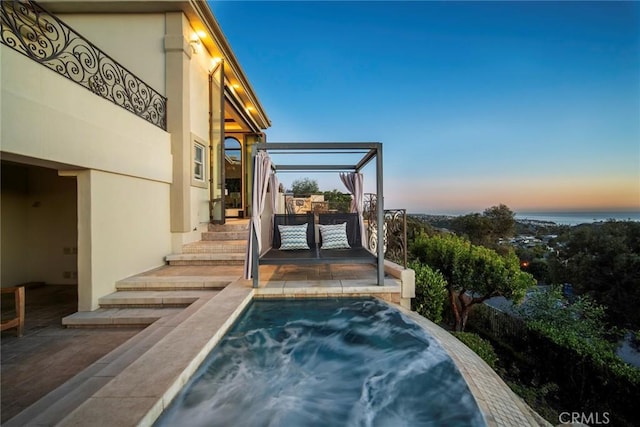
(325, 362)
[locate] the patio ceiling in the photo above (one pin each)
(237, 119)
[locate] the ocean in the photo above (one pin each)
(575, 218)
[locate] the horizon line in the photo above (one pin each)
(538, 211)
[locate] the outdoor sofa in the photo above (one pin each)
(355, 253)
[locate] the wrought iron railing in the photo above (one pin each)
(395, 222)
(39, 35)
(394, 229)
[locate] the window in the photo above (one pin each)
(198, 161)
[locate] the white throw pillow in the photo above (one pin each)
(293, 237)
(334, 236)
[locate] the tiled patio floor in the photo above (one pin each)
(317, 272)
(48, 354)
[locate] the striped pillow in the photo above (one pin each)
(293, 237)
(334, 236)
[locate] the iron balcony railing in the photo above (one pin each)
(395, 230)
(31, 30)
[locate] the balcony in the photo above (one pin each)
(32, 31)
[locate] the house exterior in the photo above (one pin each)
(114, 122)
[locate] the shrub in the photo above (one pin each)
(431, 292)
(538, 397)
(578, 327)
(481, 347)
(562, 346)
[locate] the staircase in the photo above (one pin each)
(146, 298)
(222, 245)
(142, 300)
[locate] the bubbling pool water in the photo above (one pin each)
(340, 362)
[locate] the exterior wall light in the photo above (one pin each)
(195, 43)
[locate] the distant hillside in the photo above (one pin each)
(524, 226)
(436, 221)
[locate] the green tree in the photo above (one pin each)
(337, 200)
(602, 260)
(416, 226)
(485, 229)
(475, 227)
(304, 187)
(569, 324)
(473, 273)
(539, 269)
(533, 261)
(502, 219)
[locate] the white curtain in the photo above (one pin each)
(261, 171)
(354, 182)
(274, 186)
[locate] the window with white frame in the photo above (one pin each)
(198, 161)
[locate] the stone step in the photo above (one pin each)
(174, 283)
(229, 258)
(225, 235)
(141, 299)
(240, 226)
(215, 247)
(204, 262)
(115, 317)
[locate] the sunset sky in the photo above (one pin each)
(531, 104)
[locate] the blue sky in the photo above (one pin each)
(531, 104)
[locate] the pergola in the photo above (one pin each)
(363, 153)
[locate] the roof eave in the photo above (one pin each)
(206, 16)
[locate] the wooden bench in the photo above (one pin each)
(18, 321)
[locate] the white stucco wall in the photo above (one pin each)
(46, 116)
(199, 207)
(123, 164)
(125, 218)
(134, 40)
(199, 67)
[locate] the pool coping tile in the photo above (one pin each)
(488, 389)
